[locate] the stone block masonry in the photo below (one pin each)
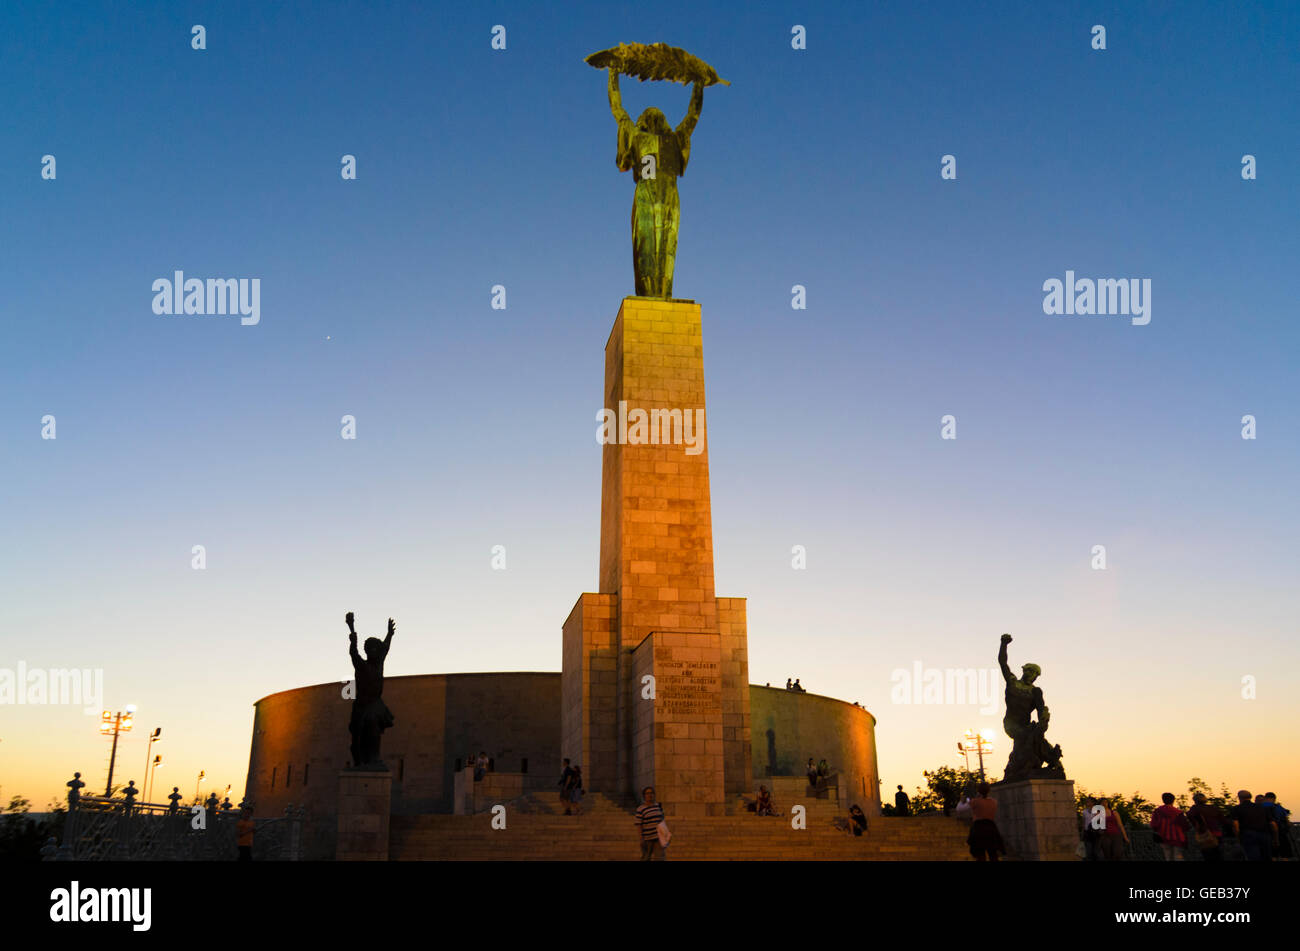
(656, 578)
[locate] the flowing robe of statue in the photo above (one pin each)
(657, 156)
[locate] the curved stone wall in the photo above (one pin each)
(300, 741)
(300, 738)
(789, 727)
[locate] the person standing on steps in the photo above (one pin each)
(902, 805)
(649, 816)
(576, 790)
(984, 840)
(566, 788)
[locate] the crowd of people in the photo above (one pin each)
(1256, 829)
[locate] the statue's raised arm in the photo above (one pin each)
(616, 99)
(350, 620)
(687, 125)
(1002, 659)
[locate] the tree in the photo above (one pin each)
(948, 784)
(1223, 800)
(1134, 811)
(944, 785)
(20, 835)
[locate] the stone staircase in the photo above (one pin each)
(537, 829)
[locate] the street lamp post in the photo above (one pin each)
(154, 737)
(114, 724)
(980, 742)
(197, 783)
(157, 762)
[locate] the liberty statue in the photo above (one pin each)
(655, 153)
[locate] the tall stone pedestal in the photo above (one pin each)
(1038, 819)
(365, 800)
(656, 605)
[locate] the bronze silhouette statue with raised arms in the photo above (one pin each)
(370, 715)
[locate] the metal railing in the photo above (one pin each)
(1143, 847)
(99, 829)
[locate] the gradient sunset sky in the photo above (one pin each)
(476, 426)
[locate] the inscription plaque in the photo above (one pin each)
(688, 687)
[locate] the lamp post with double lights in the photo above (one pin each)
(979, 743)
(154, 737)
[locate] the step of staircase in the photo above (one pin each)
(611, 835)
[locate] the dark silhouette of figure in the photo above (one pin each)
(902, 805)
(566, 787)
(130, 792)
(576, 792)
(174, 799)
(370, 715)
(984, 839)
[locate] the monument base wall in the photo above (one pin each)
(365, 803)
(1038, 819)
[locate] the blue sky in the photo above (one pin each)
(476, 427)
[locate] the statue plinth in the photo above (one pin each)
(656, 613)
(1038, 819)
(365, 801)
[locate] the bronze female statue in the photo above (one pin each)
(655, 153)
